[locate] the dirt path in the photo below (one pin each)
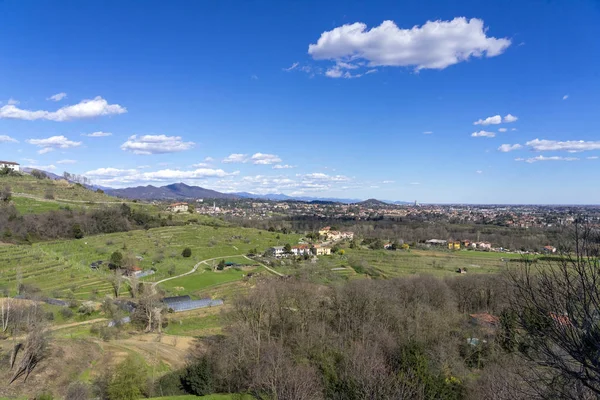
(73, 324)
(263, 265)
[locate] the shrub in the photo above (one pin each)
(187, 252)
(66, 312)
(198, 378)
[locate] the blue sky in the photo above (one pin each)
(309, 97)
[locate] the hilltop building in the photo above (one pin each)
(178, 207)
(10, 165)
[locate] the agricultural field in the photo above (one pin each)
(62, 268)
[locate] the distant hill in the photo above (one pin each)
(372, 203)
(176, 191)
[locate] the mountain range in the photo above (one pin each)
(181, 191)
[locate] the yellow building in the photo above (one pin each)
(453, 245)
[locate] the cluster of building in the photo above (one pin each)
(299, 250)
(334, 236)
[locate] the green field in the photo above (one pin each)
(62, 268)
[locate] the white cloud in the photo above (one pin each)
(319, 176)
(566, 96)
(543, 158)
(66, 162)
(209, 159)
(7, 139)
(427, 133)
(43, 167)
(52, 143)
(508, 118)
(283, 166)
(85, 109)
(505, 148)
(435, 45)
(483, 134)
(236, 158)
(13, 102)
(495, 120)
(371, 71)
(126, 177)
(201, 165)
(292, 67)
(388, 182)
(57, 96)
(30, 160)
(110, 172)
(502, 129)
(155, 144)
(592, 158)
(569, 145)
(97, 134)
(415, 183)
(264, 159)
(513, 129)
(479, 171)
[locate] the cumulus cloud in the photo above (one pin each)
(13, 102)
(566, 96)
(85, 109)
(283, 166)
(57, 96)
(124, 177)
(319, 176)
(264, 159)
(543, 158)
(52, 143)
(434, 45)
(236, 158)
(66, 162)
(495, 120)
(97, 134)
(155, 144)
(483, 134)
(569, 145)
(7, 139)
(505, 148)
(508, 118)
(109, 172)
(502, 129)
(209, 159)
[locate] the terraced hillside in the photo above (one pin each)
(60, 190)
(62, 268)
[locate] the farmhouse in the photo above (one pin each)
(276, 251)
(322, 251)
(549, 249)
(10, 165)
(178, 207)
(300, 250)
(436, 242)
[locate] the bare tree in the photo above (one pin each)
(5, 313)
(116, 280)
(34, 351)
(558, 310)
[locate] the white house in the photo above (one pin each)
(301, 250)
(10, 165)
(277, 251)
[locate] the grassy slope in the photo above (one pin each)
(62, 190)
(62, 266)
